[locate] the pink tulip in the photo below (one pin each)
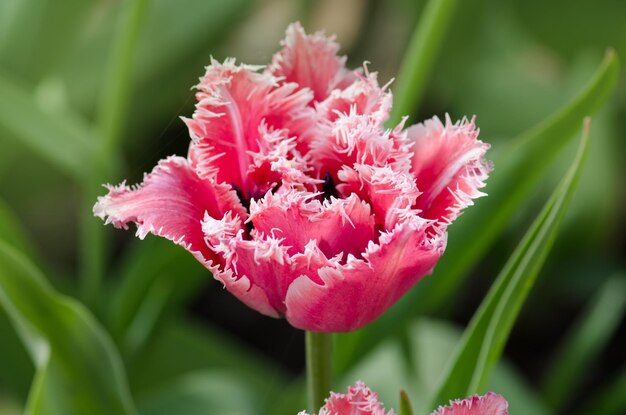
(360, 400)
(295, 196)
(489, 404)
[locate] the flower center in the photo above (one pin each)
(328, 187)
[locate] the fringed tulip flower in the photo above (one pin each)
(360, 400)
(489, 404)
(297, 198)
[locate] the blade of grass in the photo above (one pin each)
(420, 57)
(473, 233)
(111, 118)
(116, 89)
(78, 369)
(405, 404)
(486, 335)
(518, 168)
(585, 342)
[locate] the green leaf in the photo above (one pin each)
(473, 233)
(405, 403)
(78, 369)
(11, 231)
(203, 392)
(487, 333)
(585, 341)
(518, 169)
(154, 275)
(420, 57)
(181, 347)
(61, 139)
(114, 103)
(432, 343)
(17, 368)
(173, 46)
(112, 115)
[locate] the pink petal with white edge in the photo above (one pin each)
(223, 235)
(277, 163)
(358, 292)
(449, 167)
(360, 400)
(262, 260)
(391, 193)
(337, 225)
(364, 96)
(357, 138)
(171, 202)
(233, 102)
(311, 61)
(489, 404)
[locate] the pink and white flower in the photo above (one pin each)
(297, 198)
(489, 404)
(360, 400)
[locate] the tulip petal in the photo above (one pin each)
(357, 138)
(391, 193)
(311, 61)
(489, 404)
(234, 101)
(262, 262)
(277, 163)
(170, 203)
(360, 400)
(364, 97)
(449, 167)
(338, 226)
(247, 268)
(357, 292)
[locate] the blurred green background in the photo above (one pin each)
(185, 342)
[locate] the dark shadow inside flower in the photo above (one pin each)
(328, 188)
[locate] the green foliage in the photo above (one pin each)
(419, 58)
(405, 404)
(432, 342)
(474, 232)
(486, 335)
(585, 341)
(200, 392)
(151, 278)
(83, 81)
(78, 369)
(61, 139)
(11, 231)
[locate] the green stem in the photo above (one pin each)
(116, 89)
(420, 57)
(318, 368)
